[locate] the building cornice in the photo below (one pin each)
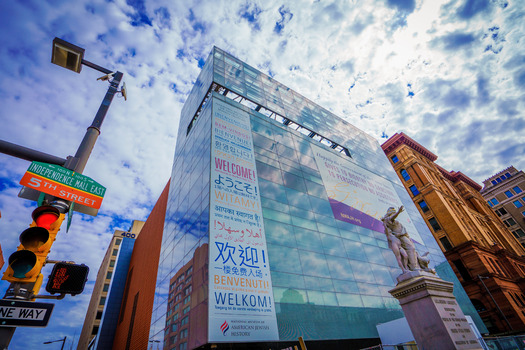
(399, 139)
(455, 176)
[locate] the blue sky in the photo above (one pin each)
(450, 74)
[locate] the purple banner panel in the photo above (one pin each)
(351, 215)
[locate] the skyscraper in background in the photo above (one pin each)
(505, 193)
(104, 306)
(283, 200)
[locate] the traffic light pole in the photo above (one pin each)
(76, 163)
(79, 161)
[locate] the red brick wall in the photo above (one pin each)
(140, 286)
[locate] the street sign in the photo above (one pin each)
(64, 183)
(24, 313)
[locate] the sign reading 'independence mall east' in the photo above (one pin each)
(64, 183)
(241, 305)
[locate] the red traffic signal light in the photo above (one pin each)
(35, 242)
(67, 278)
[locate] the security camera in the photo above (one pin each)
(124, 91)
(106, 77)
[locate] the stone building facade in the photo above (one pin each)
(485, 256)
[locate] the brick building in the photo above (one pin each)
(485, 256)
(135, 316)
(505, 194)
(187, 305)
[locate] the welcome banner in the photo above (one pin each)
(241, 305)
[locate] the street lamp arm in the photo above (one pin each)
(96, 67)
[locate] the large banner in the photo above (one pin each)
(241, 305)
(358, 196)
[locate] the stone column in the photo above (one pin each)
(432, 312)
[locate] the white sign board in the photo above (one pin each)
(241, 305)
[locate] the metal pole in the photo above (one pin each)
(63, 342)
(90, 138)
(494, 301)
(29, 154)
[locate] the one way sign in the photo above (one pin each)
(24, 313)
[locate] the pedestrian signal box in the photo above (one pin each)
(67, 278)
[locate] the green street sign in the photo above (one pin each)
(63, 183)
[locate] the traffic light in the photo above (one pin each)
(25, 264)
(67, 278)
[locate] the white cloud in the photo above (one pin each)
(357, 59)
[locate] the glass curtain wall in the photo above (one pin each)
(330, 278)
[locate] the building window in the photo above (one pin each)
(414, 190)
(517, 204)
(187, 299)
(501, 211)
(494, 201)
(478, 305)
(99, 315)
(112, 263)
(518, 233)
(108, 276)
(115, 252)
(102, 301)
(183, 346)
(424, 206)
(445, 243)
(509, 194)
(394, 159)
(462, 270)
(494, 182)
(498, 180)
(105, 288)
(523, 213)
(173, 340)
(174, 327)
(517, 189)
(404, 174)
(509, 222)
(190, 270)
(184, 333)
(433, 222)
(186, 310)
(95, 330)
(117, 242)
(184, 321)
(507, 175)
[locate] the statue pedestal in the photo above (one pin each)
(432, 312)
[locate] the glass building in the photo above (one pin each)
(273, 227)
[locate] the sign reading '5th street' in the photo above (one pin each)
(64, 183)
